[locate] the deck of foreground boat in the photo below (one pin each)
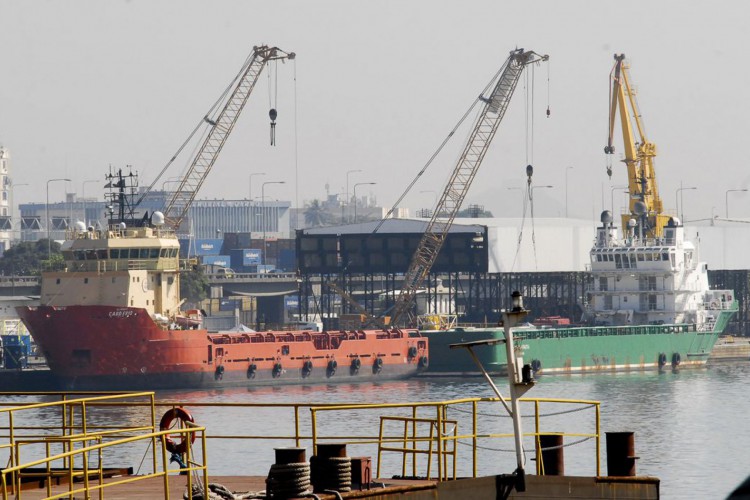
(538, 487)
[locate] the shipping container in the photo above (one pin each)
(245, 257)
(217, 260)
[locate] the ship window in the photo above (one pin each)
(641, 257)
(170, 280)
(607, 302)
(625, 298)
(153, 253)
(133, 253)
(618, 261)
(102, 254)
(598, 258)
(285, 350)
(603, 284)
(131, 302)
(174, 253)
(138, 279)
(143, 253)
(665, 256)
(163, 252)
(671, 258)
(114, 253)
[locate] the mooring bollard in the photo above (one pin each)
(621, 454)
(550, 455)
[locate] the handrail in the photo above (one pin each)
(414, 437)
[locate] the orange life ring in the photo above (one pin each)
(181, 415)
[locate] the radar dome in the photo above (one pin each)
(631, 223)
(639, 208)
(606, 217)
(122, 225)
(80, 226)
(157, 218)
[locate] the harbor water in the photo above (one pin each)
(689, 425)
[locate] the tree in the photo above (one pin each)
(316, 215)
(28, 258)
(193, 286)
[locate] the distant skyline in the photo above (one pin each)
(378, 86)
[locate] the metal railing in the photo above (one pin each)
(424, 438)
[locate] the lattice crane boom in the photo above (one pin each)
(485, 127)
(221, 126)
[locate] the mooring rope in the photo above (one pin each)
(288, 480)
(331, 473)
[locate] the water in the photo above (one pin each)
(689, 425)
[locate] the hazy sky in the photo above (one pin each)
(86, 84)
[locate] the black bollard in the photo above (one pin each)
(550, 454)
(621, 454)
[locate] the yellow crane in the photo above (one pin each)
(645, 204)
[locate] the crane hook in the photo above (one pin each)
(273, 114)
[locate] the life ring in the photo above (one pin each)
(536, 365)
(423, 362)
(714, 305)
(307, 367)
(219, 372)
(354, 368)
(412, 352)
(277, 369)
(251, 370)
(662, 359)
(377, 365)
(178, 416)
(676, 359)
(331, 369)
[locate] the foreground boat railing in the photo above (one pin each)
(75, 427)
(426, 439)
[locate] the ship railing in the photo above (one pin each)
(439, 440)
(30, 429)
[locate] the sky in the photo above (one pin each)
(376, 87)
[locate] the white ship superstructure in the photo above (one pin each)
(657, 281)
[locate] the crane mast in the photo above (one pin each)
(490, 116)
(221, 126)
(645, 204)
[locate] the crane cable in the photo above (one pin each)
(437, 152)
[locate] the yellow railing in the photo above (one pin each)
(423, 439)
(73, 425)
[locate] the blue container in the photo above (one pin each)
(287, 260)
(15, 356)
(217, 260)
(208, 246)
(242, 257)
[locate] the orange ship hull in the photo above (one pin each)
(121, 348)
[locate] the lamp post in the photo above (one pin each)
(681, 204)
(265, 218)
(566, 190)
(46, 215)
(83, 195)
(355, 196)
(347, 188)
(13, 202)
(612, 197)
(726, 199)
(250, 194)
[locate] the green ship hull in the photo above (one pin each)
(582, 349)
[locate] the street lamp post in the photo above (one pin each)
(681, 204)
(13, 204)
(46, 215)
(726, 199)
(265, 218)
(250, 194)
(355, 196)
(612, 198)
(347, 188)
(531, 195)
(83, 195)
(566, 191)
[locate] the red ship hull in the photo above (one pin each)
(120, 348)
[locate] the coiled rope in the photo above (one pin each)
(331, 473)
(288, 480)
